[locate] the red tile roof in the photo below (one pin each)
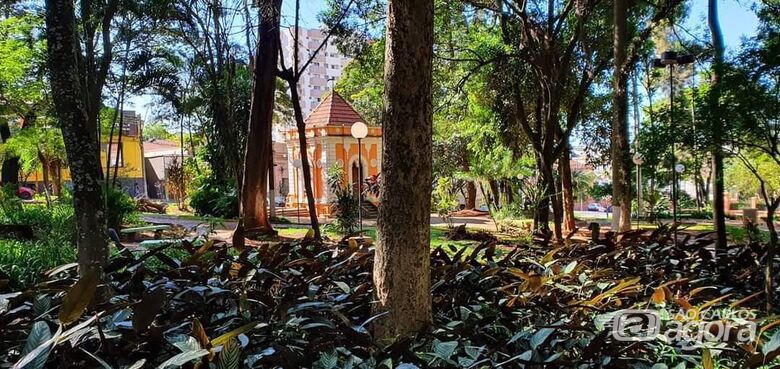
(333, 111)
(155, 146)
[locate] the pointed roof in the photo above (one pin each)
(333, 111)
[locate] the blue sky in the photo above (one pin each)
(737, 20)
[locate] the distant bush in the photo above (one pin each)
(121, 208)
(215, 200)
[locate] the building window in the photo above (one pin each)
(117, 160)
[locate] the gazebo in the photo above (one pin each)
(329, 141)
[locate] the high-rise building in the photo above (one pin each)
(324, 70)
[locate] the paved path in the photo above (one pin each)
(484, 222)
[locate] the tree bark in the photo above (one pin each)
(402, 260)
(471, 187)
(471, 195)
(70, 102)
(257, 158)
(564, 168)
(495, 193)
(718, 206)
(554, 199)
(771, 250)
(305, 167)
(10, 172)
(620, 150)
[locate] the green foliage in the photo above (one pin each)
(344, 203)
(362, 82)
(601, 190)
(37, 147)
(23, 261)
(739, 178)
(444, 200)
(158, 131)
(490, 309)
(121, 208)
(215, 199)
(23, 89)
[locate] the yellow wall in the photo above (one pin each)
(133, 161)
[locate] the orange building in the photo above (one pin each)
(329, 142)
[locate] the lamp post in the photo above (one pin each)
(638, 161)
(297, 165)
(670, 59)
(359, 130)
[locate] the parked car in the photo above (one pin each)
(25, 193)
(595, 207)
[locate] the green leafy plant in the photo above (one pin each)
(344, 203)
(121, 209)
(444, 200)
(218, 200)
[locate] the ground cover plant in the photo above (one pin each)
(49, 243)
(305, 304)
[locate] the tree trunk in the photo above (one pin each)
(10, 173)
(471, 195)
(554, 200)
(620, 151)
(770, 256)
(45, 167)
(718, 208)
(305, 168)
(403, 226)
(495, 193)
(568, 196)
(82, 149)
(257, 158)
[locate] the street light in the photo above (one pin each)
(670, 59)
(297, 165)
(359, 130)
(638, 161)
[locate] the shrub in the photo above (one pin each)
(215, 200)
(444, 200)
(344, 202)
(55, 223)
(23, 262)
(121, 208)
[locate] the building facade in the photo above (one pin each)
(324, 69)
(329, 142)
(127, 159)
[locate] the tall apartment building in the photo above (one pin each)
(324, 70)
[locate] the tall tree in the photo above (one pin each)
(402, 262)
(258, 155)
(628, 39)
(718, 208)
(71, 102)
(621, 162)
(24, 93)
(292, 76)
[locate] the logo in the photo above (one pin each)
(636, 325)
(687, 330)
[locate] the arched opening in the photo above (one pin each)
(356, 176)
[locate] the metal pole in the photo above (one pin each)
(360, 186)
(639, 206)
(297, 197)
